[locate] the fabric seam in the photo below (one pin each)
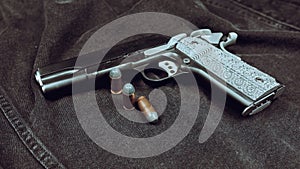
(267, 17)
(254, 14)
(24, 132)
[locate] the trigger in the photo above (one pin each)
(170, 67)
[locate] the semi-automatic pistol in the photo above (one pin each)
(200, 52)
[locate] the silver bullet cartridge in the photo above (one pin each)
(116, 81)
(128, 96)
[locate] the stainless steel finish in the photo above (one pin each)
(251, 87)
(235, 73)
(170, 67)
(231, 39)
(171, 44)
(186, 61)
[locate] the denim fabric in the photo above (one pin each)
(36, 33)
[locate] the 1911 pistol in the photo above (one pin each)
(200, 52)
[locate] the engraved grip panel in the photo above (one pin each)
(244, 78)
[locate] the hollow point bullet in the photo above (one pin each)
(116, 81)
(147, 109)
(128, 96)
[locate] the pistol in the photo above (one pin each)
(201, 52)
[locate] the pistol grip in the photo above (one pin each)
(245, 83)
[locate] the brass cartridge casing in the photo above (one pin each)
(147, 109)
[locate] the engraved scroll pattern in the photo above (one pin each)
(243, 77)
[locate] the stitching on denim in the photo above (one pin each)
(132, 8)
(110, 8)
(259, 54)
(291, 3)
(258, 16)
(267, 17)
(237, 10)
(32, 143)
(215, 15)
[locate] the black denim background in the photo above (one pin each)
(36, 33)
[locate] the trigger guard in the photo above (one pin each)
(167, 66)
(154, 80)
